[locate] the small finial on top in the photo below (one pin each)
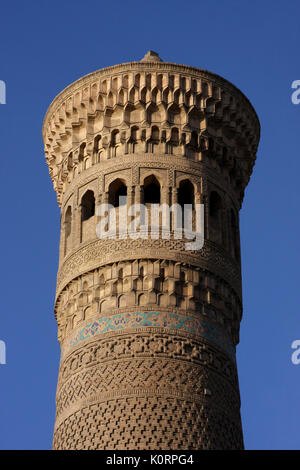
(151, 56)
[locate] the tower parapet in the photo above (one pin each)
(148, 329)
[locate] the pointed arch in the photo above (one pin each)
(87, 205)
(186, 193)
(117, 191)
(151, 190)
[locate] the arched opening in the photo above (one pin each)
(143, 299)
(174, 140)
(176, 96)
(117, 193)
(96, 148)
(186, 197)
(133, 139)
(215, 217)
(133, 95)
(115, 140)
(121, 98)
(155, 134)
(114, 137)
(154, 95)
(120, 280)
(133, 133)
(87, 205)
(175, 136)
(186, 193)
(151, 190)
(82, 151)
(110, 100)
(154, 139)
(99, 293)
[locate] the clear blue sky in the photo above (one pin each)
(44, 46)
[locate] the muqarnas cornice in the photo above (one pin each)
(200, 116)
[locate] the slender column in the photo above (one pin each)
(174, 197)
(142, 366)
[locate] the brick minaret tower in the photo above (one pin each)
(147, 328)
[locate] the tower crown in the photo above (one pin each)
(192, 100)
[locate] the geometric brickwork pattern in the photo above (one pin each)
(148, 361)
(172, 376)
(150, 423)
(156, 373)
(101, 251)
(148, 328)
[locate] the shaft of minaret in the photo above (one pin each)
(148, 323)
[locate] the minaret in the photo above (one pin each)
(148, 328)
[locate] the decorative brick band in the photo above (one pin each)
(100, 252)
(175, 321)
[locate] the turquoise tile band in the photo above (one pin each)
(175, 321)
